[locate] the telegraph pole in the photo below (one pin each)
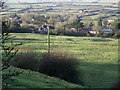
(48, 35)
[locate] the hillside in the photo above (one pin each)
(98, 58)
(30, 79)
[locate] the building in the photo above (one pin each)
(87, 31)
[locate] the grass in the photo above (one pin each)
(29, 79)
(98, 57)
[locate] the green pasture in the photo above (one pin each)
(32, 80)
(98, 57)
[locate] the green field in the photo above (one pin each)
(98, 57)
(29, 79)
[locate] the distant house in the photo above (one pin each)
(106, 31)
(43, 29)
(111, 21)
(73, 29)
(87, 31)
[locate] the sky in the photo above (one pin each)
(61, 0)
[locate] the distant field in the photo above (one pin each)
(62, 6)
(98, 56)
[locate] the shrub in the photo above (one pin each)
(60, 64)
(25, 61)
(117, 34)
(107, 35)
(19, 30)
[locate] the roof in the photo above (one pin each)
(86, 29)
(106, 30)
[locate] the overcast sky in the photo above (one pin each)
(61, 0)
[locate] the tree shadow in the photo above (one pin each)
(102, 73)
(101, 40)
(69, 39)
(25, 39)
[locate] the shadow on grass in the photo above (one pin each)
(25, 39)
(101, 40)
(105, 75)
(69, 39)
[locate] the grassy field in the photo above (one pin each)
(98, 57)
(30, 79)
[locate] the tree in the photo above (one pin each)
(96, 28)
(117, 26)
(27, 17)
(40, 20)
(100, 21)
(88, 22)
(59, 28)
(77, 24)
(91, 24)
(5, 26)
(7, 54)
(51, 21)
(72, 18)
(105, 23)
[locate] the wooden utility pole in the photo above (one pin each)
(48, 40)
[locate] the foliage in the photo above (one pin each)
(27, 17)
(23, 29)
(60, 64)
(103, 34)
(88, 22)
(97, 28)
(117, 34)
(5, 26)
(77, 24)
(51, 21)
(59, 29)
(105, 23)
(100, 21)
(39, 20)
(25, 61)
(91, 24)
(8, 52)
(117, 26)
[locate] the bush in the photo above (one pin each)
(23, 29)
(106, 35)
(26, 61)
(19, 30)
(60, 64)
(117, 34)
